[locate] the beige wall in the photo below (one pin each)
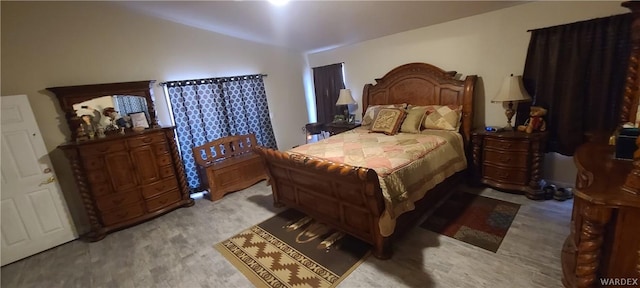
(491, 45)
(46, 44)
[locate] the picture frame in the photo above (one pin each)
(139, 119)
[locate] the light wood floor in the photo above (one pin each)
(176, 250)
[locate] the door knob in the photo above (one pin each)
(49, 180)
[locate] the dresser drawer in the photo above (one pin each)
(163, 200)
(166, 171)
(93, 163)
(514, 159)
(505, 175)
(123, 214)
(146, 139)
(161, 149)
(101, 189)
(97, 177)
(109, 202)
(159, 187)
(506, 145)
(102, 148)
(163, 160)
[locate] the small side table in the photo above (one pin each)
(337, 128)
(510, 160)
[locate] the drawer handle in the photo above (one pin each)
(117, 201)
(503, 175)
(147, 140)
(164, 201)
(505, 158)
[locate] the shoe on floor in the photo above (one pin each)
(563, 194)
(549, 191)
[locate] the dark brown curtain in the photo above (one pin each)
(328, 82)
(577, 72)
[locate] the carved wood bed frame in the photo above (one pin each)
(350, 198)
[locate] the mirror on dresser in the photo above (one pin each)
(78, 104)
(126, 177)
(124, 105)
(109, 115)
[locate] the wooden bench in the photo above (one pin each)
(229, 164)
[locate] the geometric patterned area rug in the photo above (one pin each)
(474, 219)
(293, 250)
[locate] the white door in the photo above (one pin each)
(34, 214)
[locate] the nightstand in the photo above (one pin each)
(337, 128)
(509, 160)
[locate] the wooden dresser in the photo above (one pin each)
(605, 230)
(127, 179)
(509, 160)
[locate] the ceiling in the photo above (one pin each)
(313, 26)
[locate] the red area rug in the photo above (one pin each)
(474, 219)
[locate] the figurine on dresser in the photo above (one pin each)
(117, 122)
(90, 124)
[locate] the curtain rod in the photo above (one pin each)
(211, 80)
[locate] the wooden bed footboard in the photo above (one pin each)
(346, 197)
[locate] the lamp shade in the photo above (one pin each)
(512, 90)
(345, 97)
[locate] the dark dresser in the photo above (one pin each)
(604, 241)
(509, 160)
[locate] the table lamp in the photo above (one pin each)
(345, 99)
(512, 90)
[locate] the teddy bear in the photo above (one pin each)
(535, 121)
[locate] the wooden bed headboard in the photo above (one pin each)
(423, 84)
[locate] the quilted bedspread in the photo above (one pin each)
(407, 164)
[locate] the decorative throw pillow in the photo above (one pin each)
(443, 117)
(388, 121)
(372, 111)
(414, 119)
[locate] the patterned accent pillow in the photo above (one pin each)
(443, 117)
(414, 119)
(388, 121)
(373, 110)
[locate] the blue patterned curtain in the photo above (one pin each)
(126, 105)
(209, 109)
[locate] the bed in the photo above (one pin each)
(350, 198)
